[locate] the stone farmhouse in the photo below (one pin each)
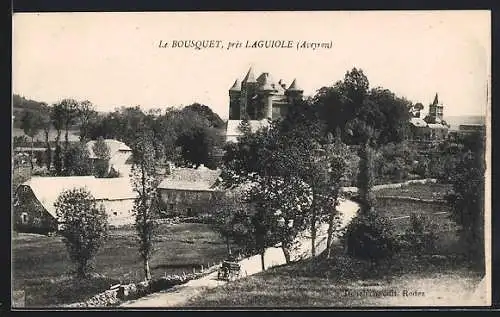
(187, 191)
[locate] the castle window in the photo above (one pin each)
(115, 213)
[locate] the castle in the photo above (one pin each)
(258, 100)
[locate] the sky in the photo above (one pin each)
(114, 59)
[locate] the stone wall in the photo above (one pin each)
(119, 293)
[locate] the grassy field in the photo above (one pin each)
(422, 191)
(73, 136)
(41, 266)
(296, 285)
(332, 283)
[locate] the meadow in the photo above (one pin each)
(42, 268)
(442, 277)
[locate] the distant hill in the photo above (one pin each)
(20, 105)
(455, 121)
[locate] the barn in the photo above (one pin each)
(187, 191)
(34, 200)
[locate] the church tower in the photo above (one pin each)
(436, 110)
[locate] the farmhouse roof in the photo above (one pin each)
(48, 189)
(114, 147)
(197, 179)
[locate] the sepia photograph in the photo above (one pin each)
(251, 160)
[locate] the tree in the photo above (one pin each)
(86, 114)
(46, 123)
(102, 152)
(366, 178)
(85, 226)
(223, 207)
(57, 117)
(31, 124)
(337, 155)
(145, 181)
(351, 106)
(205, 111)
(70, 113)
(467, 201)
(77, 160)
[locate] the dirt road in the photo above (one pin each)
(179, 295)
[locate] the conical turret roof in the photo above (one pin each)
(236, 86)
(250, 77)
(294, 86)
(266, 84)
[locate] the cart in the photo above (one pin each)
(229, 271)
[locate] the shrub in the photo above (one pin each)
(84, 226)
(420, 238)
(370, 236)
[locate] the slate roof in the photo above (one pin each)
(199, 179)
(250, 77)
(294, 86)
(236, 86)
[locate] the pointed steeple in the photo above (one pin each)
(250, 77)
(294, 86)
(436, 101)
(236, 86)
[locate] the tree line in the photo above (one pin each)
(188, 136)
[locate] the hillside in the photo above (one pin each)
(455, 121)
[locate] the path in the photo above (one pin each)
(179, 295)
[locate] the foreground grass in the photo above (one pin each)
(41, 266)
(421, 191)
(445, 279)
(322, 283)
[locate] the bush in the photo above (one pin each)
(85, 226)
(371, 237)
(420, 238)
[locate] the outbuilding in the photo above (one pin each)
(34, 200)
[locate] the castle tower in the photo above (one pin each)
(267, 91)
(234, 100)
(436, 110)
(248, 91)
(293, 92)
